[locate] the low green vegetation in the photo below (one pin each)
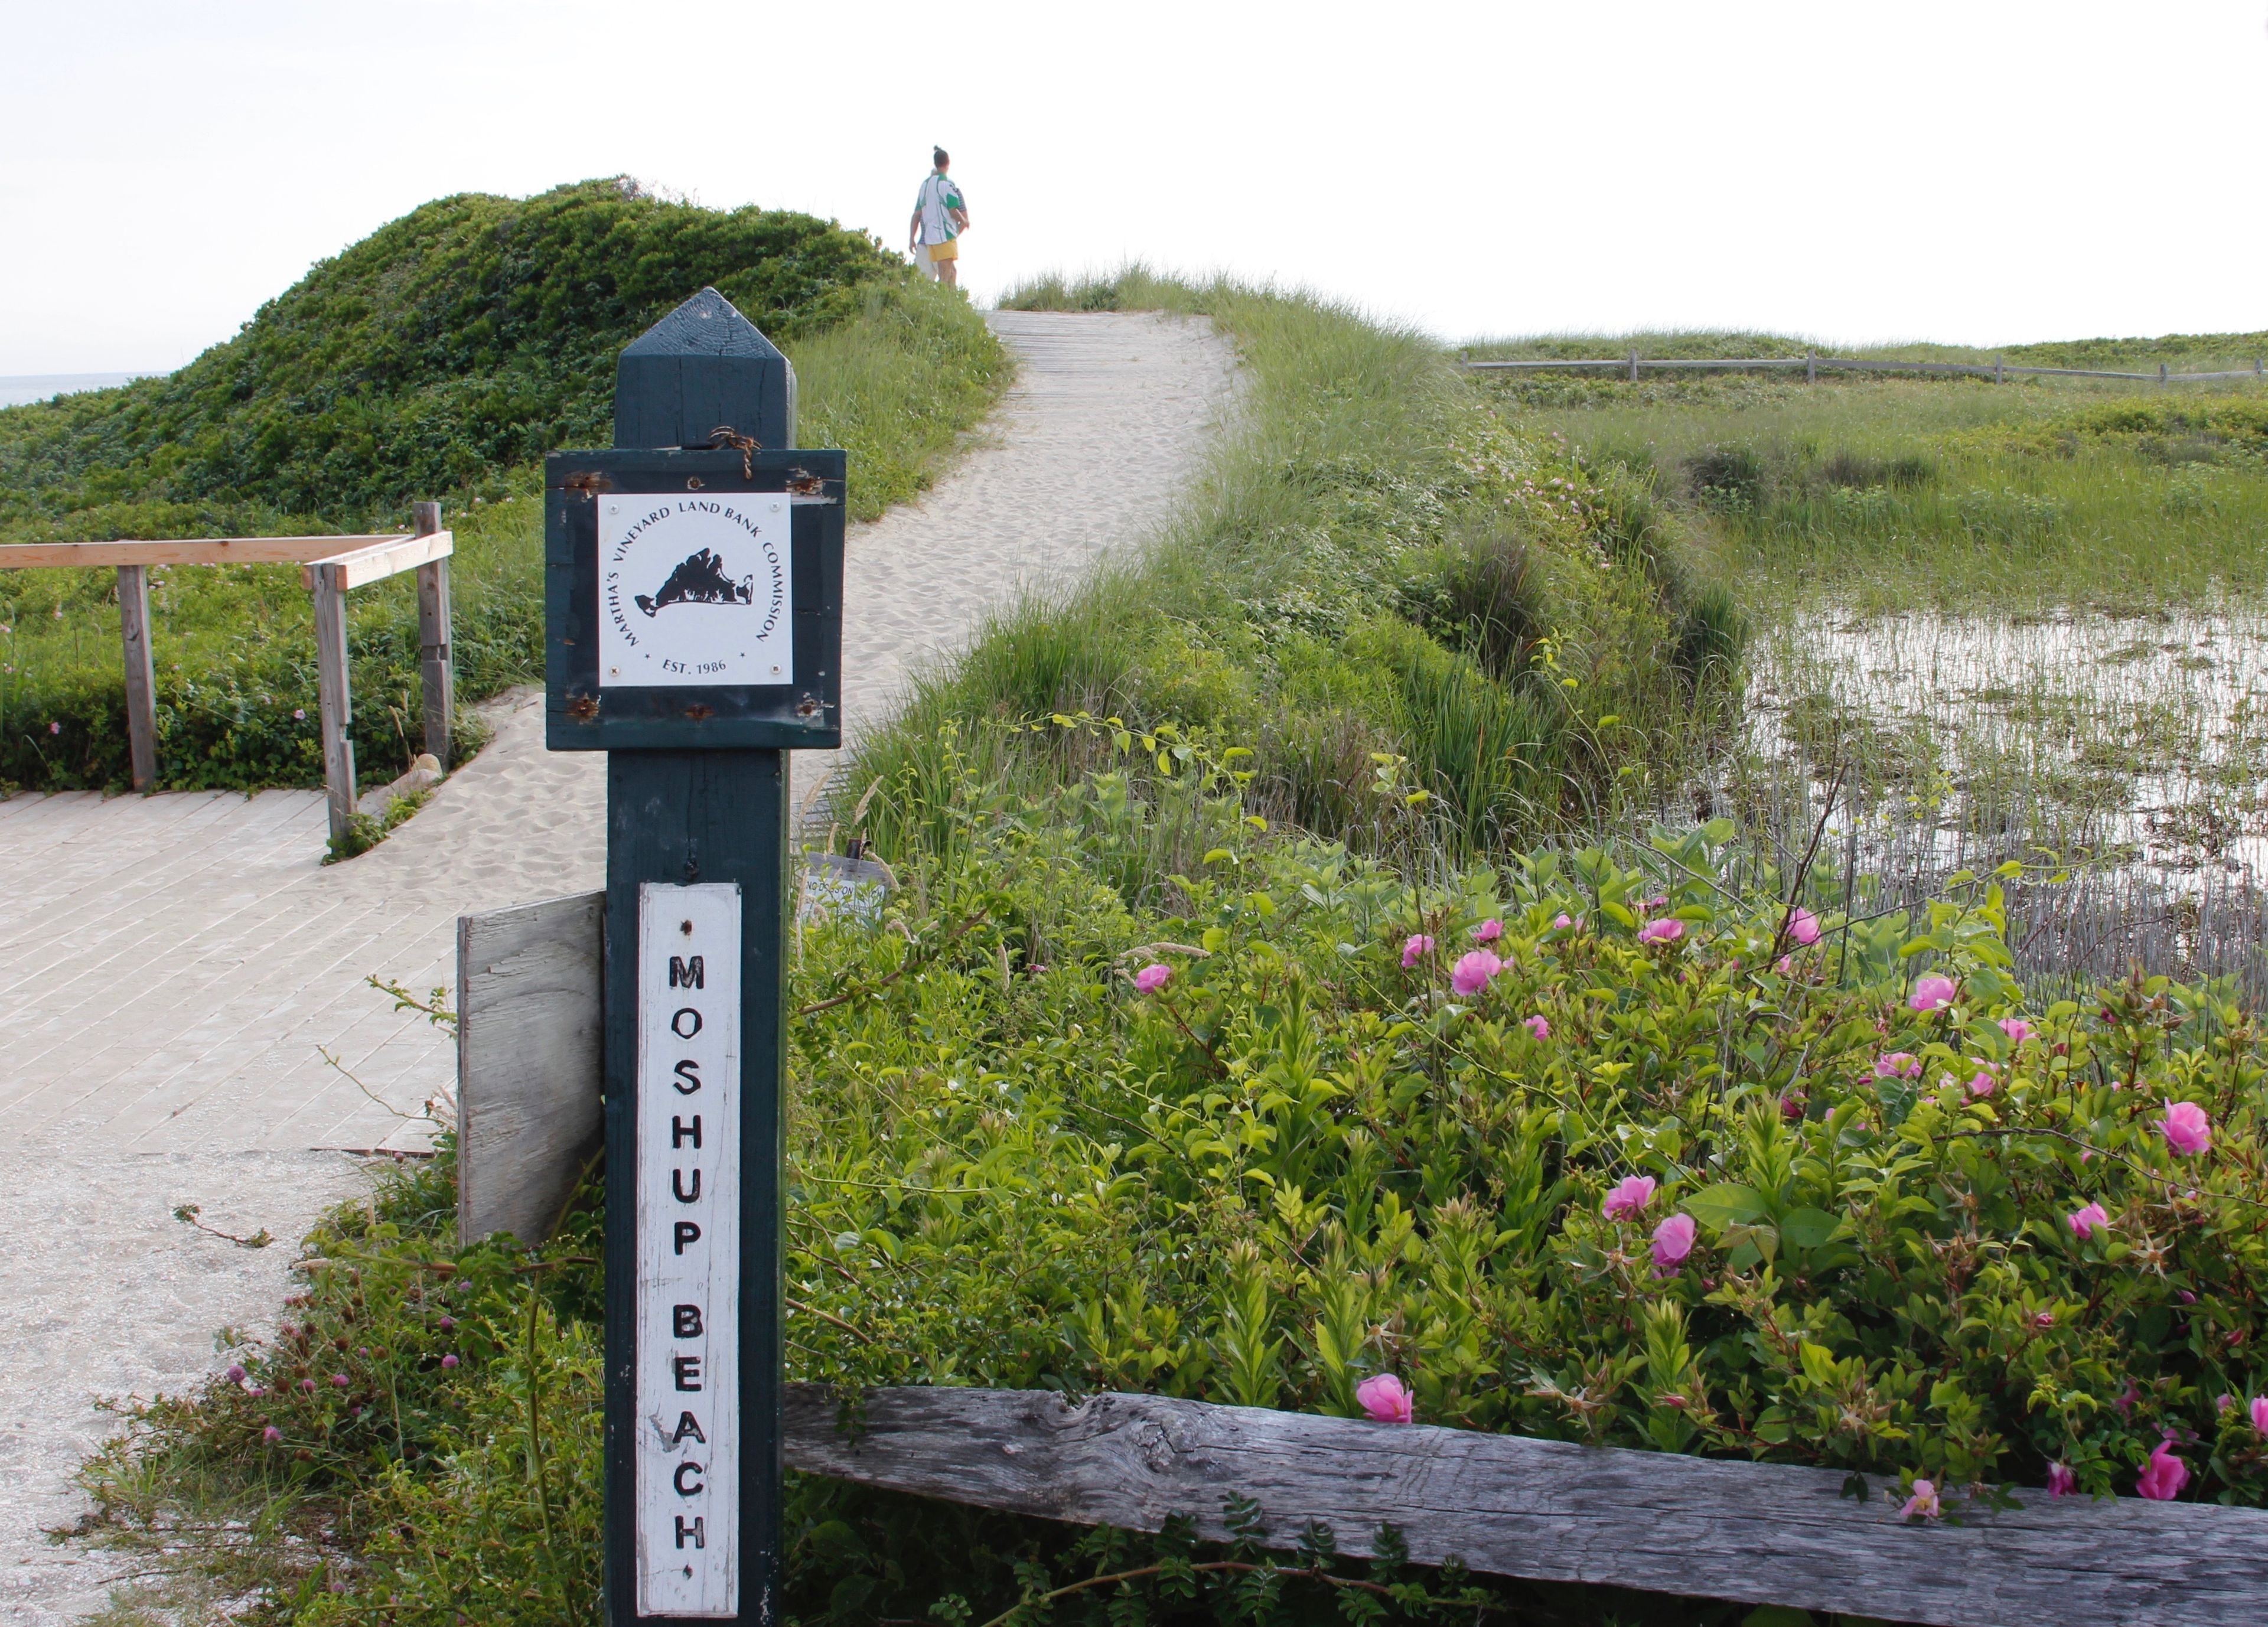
(437, 358)
(1377, 570)
(1661, 1148)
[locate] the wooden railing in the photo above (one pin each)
(1999, 372)
(1549, 1510)
(334, 566)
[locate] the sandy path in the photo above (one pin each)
(168, 965)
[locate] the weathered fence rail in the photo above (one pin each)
(1542, 1510)
(334, 567)
(1812, 365)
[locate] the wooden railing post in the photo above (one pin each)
(141, 673)
(1634, 364)
(436, 658)
(2162, 372)
(1998, 368)
(334, 695)
(1811, 367)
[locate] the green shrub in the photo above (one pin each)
(470, 336)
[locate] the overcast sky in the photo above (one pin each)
(1983, 172)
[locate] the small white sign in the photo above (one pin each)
(688, 1457)
(695, 590)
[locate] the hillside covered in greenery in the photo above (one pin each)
(471, 334)
(439, 357)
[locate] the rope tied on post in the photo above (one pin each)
(725, 435)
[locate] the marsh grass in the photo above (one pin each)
(2016, 622)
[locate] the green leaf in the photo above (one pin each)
(1728, 1202)
(1808, 1228)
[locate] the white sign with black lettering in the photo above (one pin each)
(695, 590)
(688, 1460)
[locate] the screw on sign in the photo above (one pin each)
(693, 631)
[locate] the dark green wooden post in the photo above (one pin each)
(697, 800)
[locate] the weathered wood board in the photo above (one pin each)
(1761, 1534)
(529, 1011)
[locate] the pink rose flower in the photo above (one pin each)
(2259, 1411)
(1932, 993)
(2164, 1476)
(1538, 1025)
(1153, 977)
(1894, 1064)
(2016, 1029)
(1385, 1398)
(1628, 1198)
(1922, 1503)
(2061, 1481)
(1667, 929)
(1673, 1240)
(2045, 1319)
(2085, 1223)
(1561, 921)
(1803, 927)
(2187, 1129)
(1981, 1082)
(1415, 949)
(1472, 972)
(1487, 931)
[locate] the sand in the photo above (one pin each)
(169, 965)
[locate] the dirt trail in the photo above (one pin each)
(169, 965)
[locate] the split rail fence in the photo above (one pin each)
(1999, 371)
(1549, 1511)
(333, 566)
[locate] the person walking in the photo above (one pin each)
(941, 216)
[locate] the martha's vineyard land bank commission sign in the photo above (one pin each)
(694, 589)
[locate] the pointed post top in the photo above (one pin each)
(703, 366)
(708, 324)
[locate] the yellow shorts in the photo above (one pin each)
(947, 250)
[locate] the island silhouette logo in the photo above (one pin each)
(698, 580)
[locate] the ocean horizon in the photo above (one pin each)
(17, 389)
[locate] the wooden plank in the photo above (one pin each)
(190, 551)
(1763, 1534)
(528, 1110)
(333, 694)
(141, 673)
(436, 661)
(386, 557)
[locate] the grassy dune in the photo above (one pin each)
(1381, 589)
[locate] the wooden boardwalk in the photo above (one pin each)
(170, 965)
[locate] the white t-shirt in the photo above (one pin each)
(939, 197)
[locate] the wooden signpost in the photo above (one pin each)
(692, 630)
